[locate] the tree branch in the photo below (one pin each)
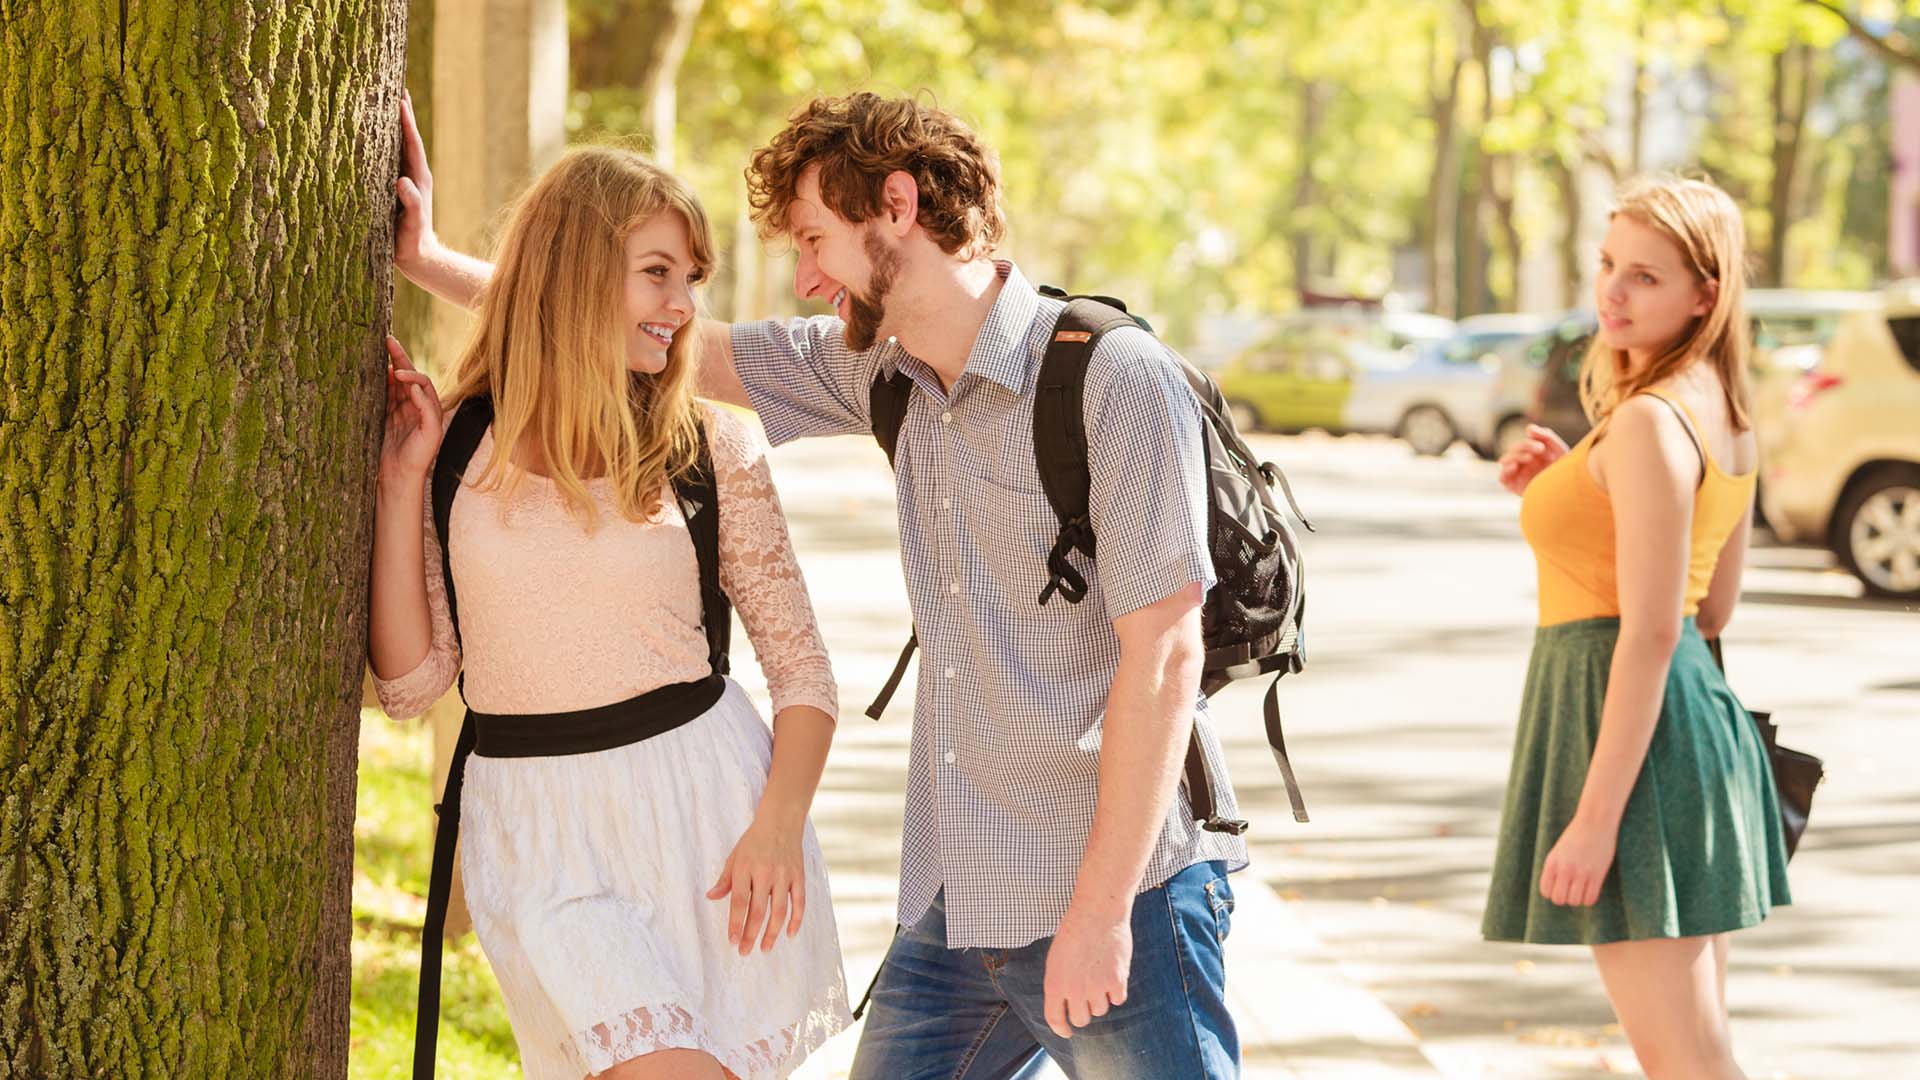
(1892, 47)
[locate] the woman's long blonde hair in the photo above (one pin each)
(550, 347)
(1703, 222)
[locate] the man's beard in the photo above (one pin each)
(866, 313)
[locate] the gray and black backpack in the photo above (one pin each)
(1251, 621)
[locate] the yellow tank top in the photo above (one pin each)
(1568, 521)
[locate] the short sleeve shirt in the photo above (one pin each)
(1009, 711)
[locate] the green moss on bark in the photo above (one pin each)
(194, 210)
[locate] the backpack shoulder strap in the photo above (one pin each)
(887, 399)
(698, 493)
(1060, 436)
(462, 437)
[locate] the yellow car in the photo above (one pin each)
(1840, 464)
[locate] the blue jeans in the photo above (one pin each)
(979, 1014)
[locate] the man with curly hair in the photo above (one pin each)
(1056, 893)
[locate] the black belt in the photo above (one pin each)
(520, 735)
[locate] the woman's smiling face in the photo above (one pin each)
(660, 279)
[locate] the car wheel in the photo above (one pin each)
(1877, 532)
(1427, 430)
(1511, 431)
(1245, 417)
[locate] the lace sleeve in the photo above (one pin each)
(759, 573)
(407, 696)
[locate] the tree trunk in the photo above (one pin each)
(195, 214)
(1637, 95)
(1443, 188)
(1566, 176)
(638, 44)
(1792, 89)
(1474, 181)
(1501, 175)
(1313, 106)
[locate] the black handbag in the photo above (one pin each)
(1795, 773)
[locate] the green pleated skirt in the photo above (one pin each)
(1700, 849)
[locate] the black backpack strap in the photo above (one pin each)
(457, 445)
(1277, 742)
(446, 833)
(1200, 792)
(1060, 454)
(464, 432)
(893, 681)
(698, 493)
(1060, 436)
(887, 399)
(887, 403)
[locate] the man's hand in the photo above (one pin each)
(1087, 966)
(413, 239)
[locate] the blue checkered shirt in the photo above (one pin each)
(1011, 695)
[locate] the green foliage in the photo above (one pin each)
(1160, 150)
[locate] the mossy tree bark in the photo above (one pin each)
(195, 211)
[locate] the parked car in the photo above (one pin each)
(1355, 373)
(1841, 465)
(1556, 397)
(1790, 326)
(1506, 345)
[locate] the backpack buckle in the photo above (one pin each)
(1230, 826)
(1069, 584)
(1066, 580)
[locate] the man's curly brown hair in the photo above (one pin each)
(857, 141)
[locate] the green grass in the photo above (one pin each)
(392, 855)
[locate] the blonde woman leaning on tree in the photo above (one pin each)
(633, 839)
(1641, 817)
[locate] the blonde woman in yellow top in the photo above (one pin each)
(1641, 817)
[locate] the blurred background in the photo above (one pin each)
(1376, 216)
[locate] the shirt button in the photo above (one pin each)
(950, 757)
(949, 673)
(954, 588)
(946, 418)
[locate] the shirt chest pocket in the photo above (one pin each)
(1014, 529)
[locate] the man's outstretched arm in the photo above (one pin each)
(719, 379)
(459, 278)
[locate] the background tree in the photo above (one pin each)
(1217, 156)
(194, 212)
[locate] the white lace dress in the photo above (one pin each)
(586, 874)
